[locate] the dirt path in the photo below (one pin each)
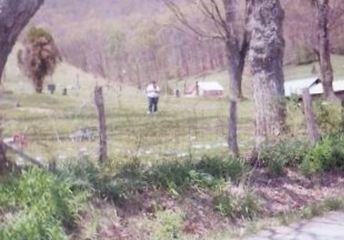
(328, 227)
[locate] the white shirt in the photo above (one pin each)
(152, 92)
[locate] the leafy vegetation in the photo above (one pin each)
(39, 57)
(86, 175)
(326, 155)
(167, 225)
(287, 153)
(245, 206)
(329, 116)
(39, 205)
(177, 176)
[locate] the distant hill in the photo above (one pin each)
(81, 10)
(149, 43)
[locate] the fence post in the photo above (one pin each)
(232, 128)
(3, 159)
(99, 102)
(342, 116)
(312, 129)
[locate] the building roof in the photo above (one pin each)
(210, 86)
(296, 86)
(338, 86)
(315, 88)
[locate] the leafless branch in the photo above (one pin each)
(211, 13)
(181, 17)
(336, 16)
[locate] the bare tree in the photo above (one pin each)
(266, 58)
(14, 15)
(324, 51)
(222, 14)
(224, 20)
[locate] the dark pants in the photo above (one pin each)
(153, 104)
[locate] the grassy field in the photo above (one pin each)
(183, 126)
(215, 198)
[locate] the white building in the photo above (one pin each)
(206, 89)
(295, 87)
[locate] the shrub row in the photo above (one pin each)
(244, 207)
(174, 176)
(207, 173)
(326, 155)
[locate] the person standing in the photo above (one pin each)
(153, 92)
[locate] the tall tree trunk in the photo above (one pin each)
(266, 58)
(322, 9)
(232, 53)
(14, 15)
(236, 55)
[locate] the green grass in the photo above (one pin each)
(183, 127)
(38, 205)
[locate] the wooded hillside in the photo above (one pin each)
(136, 50)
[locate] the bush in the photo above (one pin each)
(225, 205)
(39, 57)
(229, 168)
(174, 176)
(204, 180)
(86, 175)
(38, 205)
(317, 209)
(245, 206)
(328, 116)
(208, 173)
(283, 154)
(167, 225)
(35, 33)
(326, 155)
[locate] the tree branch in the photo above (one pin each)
(179, 14)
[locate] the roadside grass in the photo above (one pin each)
(310, 211)
(176, 177)
(39, 205)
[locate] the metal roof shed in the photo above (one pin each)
(207, 89)
(296, 86)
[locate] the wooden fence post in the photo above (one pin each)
(3, 159)
(312, 129)
(342, 116)
(99, 102)
(232, 128)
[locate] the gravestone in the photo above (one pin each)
(51, 88)
(177, 93)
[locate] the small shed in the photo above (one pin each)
(295, 87)
(206, 89)
(338, 88)
(315, 87)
